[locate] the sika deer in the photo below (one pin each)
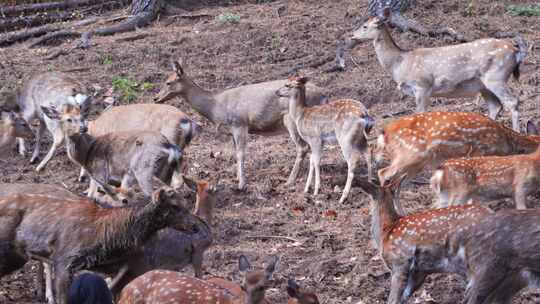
(428, 139)
(128, 156)
(489, 177)
(464, 70)
(176, 126)
(11, 127)
(50, 90)
(173, 287)
(75, 235)
(299, 296)
(420, 244)
(344, 121)
(89, 288)
(251, 109)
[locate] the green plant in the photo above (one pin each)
(147, 86)
(524, 10)
(228, 18)
(106, 59)
(127, 87)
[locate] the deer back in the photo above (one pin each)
(8, 189)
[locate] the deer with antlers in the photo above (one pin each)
(464, 70)
(428, 139)
(174, 287)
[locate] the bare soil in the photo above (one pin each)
(332, 255)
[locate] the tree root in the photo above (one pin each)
(53, 35)
(26, 9)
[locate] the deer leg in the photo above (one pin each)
(58, 139)
(240, 140)
(483, 282)
(520, 197)
(196, 262)
(22, 146)
(368, 156)
(37, 146)
(316, 152)
(62, 280)
(310, 173)
(301, 148)
(494, 105)
(405, 281)
(82, 175)
(510, 102)
(351, 155)
(47, 271)
(504, 292)
(421, 98)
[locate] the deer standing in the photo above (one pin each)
(175, 287)
(89, 288)
(423, 140)
(251, 109)
(11, 127)
(420, 244)
(464, 70)
(174, 124)
(488, 177)
(125, 156)
(343, 121)
(74, 235)
(50, 90)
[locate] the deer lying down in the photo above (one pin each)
(345, 122)
(125, 156)
(75, 235)
(490, 177)
(50, 90)
(9, 189)
(464, 70)
(250, 109)
(426, 140)
(424, 243)
(174, 124)
(12, 127)
(175, 287)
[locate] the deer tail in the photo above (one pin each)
(522, 50)
(436, 180)
(189, 130)
(174, 153)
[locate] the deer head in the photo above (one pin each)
(293, 82)
(256, 282)
(298, 296)
(168, 202)
(206, 198)
(174, 85)
(19, 127)
(70, 118)
(372, 27)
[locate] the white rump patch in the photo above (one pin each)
(80, 98)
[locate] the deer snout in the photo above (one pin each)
(281, 93)
(83, 129)
(369, 123)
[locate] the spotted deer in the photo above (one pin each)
(488, 177)
(250, 109)
(174, 287)
(50, 89)
(125, 156)
(73, 235)
(298, 296)
(464, 70)
(417, 245)
(344, 121)
(426, 140)
(12, 127)
(174, 124)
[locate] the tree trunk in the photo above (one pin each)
(375, 7)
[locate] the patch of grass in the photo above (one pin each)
(127, 87)
(106, 60)
(524, 10)
(228, 18)
(147, 86)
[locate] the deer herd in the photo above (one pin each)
(142, 245)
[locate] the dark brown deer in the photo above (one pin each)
(298, 295)
(464, 70)
(250, 109)
(420, 244)
(428, 139)
(175, 287)
(75, 235)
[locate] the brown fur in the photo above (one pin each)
(11, 127)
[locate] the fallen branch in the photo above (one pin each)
(132, 37)
(30, 8)
(273, 237)
(9, 39)
(53, 35)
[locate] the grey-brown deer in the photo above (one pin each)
(174, 124)
(464, 70)
(343, 121)
(298, 295)
(488, 177)
(125, 156)
(419, 244)
(12, 127)
(50, 90)
(426, 140)
(73, 235)
(250, 109)
(178, 288)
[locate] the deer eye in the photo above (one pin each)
(69, 120)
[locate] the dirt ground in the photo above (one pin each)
(331, 256)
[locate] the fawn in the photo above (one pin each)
(299, 296)
(174, 287)
(464, 70)
(250, 109)
(344, 121)
(488, 177)
(11, 127)
(423, 140)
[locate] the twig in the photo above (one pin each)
(132, 37)
(273, 237)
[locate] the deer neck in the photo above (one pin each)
(523, 143)
(79, 147)
(383, 218)
(201, 100)
(297, 102)
(388, 53)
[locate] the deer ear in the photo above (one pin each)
(271, 267)
(51, 112)
(292, 288)
(177, 67)
(531, 128)
(243, 264)
(192, 184)
(158, 196)
(386, 12)
(303, 79)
